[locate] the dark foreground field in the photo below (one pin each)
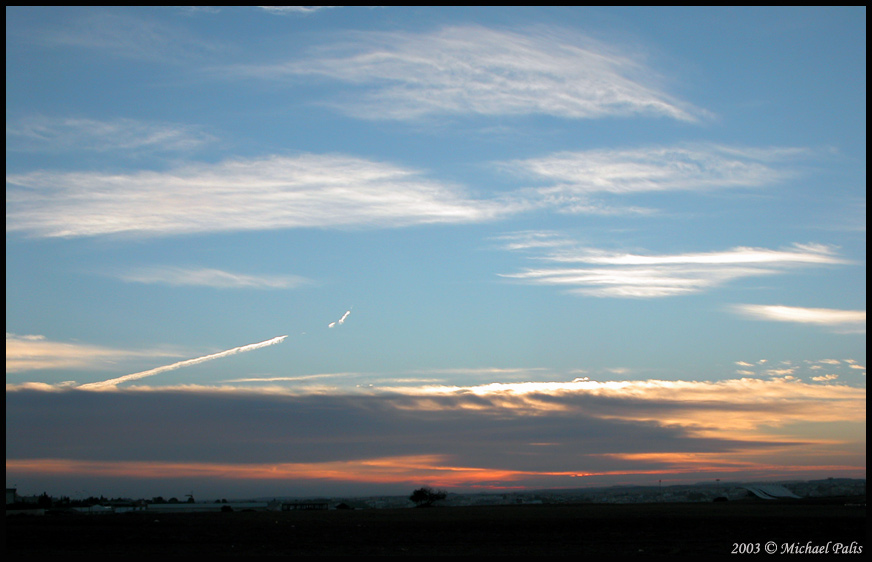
(639, 529)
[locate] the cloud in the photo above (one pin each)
(689, 404)
(477, 70)
(575, 179)
(260, 194)
(843, 321)
(298, 379)
(695, 405)
(491, 434)
(76, 133)
(285, 10)
(36, 352)
(207, 277)
(129, 37)
(533, 239)
(311, 190)
(809, 370)
(626, 275)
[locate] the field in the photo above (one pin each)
(521, 530)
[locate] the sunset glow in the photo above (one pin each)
(263, 251)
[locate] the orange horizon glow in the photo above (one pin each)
(411, 470)
(374, 471)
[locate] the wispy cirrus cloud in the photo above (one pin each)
(602, 273)
(128, 36)
(478, 70)
(78, 133)
(576, 181)
(239, 195)
(845, 321)
(285, 10)
(210, 277)
(534, 239)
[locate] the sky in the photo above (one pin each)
(322, 251)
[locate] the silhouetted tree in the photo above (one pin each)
(427, 496)
(44, 501)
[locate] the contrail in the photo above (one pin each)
(341, 320)
(115, 382)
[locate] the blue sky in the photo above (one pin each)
(294, 251)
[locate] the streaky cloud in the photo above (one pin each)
(279, 192)
(129, 37)
(113, 383)
(478, 70)
(576, 181)
(210, 277)
(285, 10)
(84, 134)
(533, 239)
(846, 321)
(602, 273)
(406, 470)
(36, 352)
(796, 254)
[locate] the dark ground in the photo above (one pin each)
(521, 530)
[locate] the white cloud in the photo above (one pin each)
(76, 133)
(817, 370)
(574, 178)
(284, 10)
(206, 277)
(530, 239)
(785, 373)
(259, 194)
(846, 321)
(35, 352)
(130, 37)
(615, 274)
(476, 70)
(798, 254)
